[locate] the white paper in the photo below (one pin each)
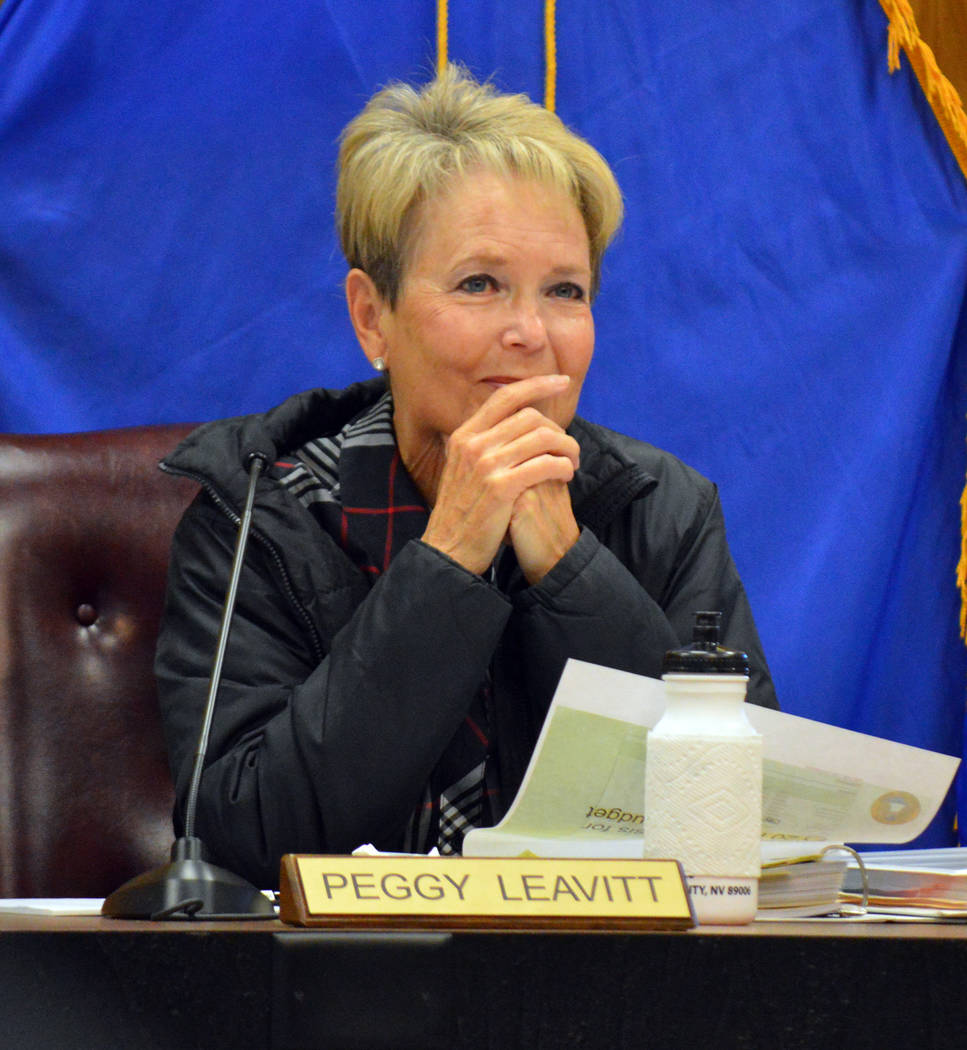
(52, 905)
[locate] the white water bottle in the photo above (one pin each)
(703, 778)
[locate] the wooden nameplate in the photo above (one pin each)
(386, 891)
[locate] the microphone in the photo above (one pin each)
(190, 887)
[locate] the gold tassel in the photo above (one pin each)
(442, 43)
(941, 94)
(550, 54)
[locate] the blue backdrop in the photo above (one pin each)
(784, 308)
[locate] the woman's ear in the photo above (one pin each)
(366, 311)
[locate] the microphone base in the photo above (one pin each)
(188, 888)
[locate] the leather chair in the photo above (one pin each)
(85, 525)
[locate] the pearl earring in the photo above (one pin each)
(379, 364)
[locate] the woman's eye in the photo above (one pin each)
(567, 290)
(477, 283)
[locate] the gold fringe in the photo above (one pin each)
(442, 43)
(550, 54)
(941, 94)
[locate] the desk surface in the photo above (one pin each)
(838, 929)
(79, 982)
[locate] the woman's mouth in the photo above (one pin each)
(501, 380)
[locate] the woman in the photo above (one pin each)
(432, 545)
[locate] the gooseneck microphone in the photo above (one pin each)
(190, 887)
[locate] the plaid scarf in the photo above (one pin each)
(356, 486)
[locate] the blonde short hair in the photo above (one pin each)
(406, 144)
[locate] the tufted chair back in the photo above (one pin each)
(85, 525)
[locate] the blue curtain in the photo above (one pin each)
(784, 308)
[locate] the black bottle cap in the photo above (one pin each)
(705, 655)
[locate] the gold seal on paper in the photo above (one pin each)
(896, 807)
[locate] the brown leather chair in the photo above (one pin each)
(85, 525)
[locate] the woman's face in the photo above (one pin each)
(495, 289)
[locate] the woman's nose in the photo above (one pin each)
(525, 329)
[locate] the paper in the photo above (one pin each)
(52, 905)
(925, 881)
(582, 794)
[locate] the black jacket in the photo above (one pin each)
(340, 694)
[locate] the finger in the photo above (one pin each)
(524, 434)
(542, 529)
(543, 440)
(508, 484)
(510, 398)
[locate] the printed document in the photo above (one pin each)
(582, 794)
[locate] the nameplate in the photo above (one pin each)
(455, 892)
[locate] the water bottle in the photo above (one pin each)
(703, 778)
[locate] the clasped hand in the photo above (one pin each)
(505, 477)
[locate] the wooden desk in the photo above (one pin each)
(79, 983)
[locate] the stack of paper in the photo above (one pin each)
(929, 882)
(800, 879)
